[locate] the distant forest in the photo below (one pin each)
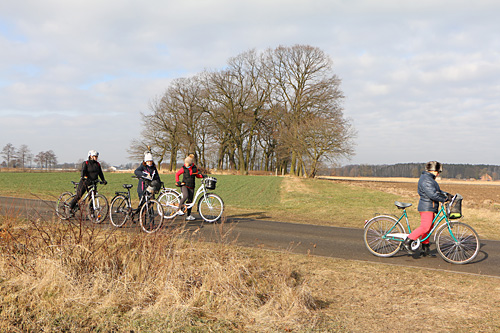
(458, 171)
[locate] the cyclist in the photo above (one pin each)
(91, 170)
(189, 173)
(428, 205)
(147, 170)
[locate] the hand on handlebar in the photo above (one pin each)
(449, 196)
(179, 184)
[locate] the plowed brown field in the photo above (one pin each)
(476, 194)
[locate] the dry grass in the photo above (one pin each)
(74, 277)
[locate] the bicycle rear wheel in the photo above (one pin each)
(98, 209)
(375, 236)
(151, 216)
(119, 211)
(211, 207)
(460, 246)
(62, 205)
(169, 200)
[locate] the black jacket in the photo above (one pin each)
(146, 171)
(91, 170)
(430, 193)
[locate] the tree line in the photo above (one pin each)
(413, 170)
(22, 157)
(279, 110)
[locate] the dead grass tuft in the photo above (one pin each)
(74, 277)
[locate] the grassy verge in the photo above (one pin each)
(75, 277)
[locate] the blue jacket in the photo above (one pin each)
(430, 193)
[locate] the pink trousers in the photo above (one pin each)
(426, 219)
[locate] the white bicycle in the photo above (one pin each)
(210, 205)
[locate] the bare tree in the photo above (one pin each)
(238, 102)
(8, 152)
(46, 159)
(24, 155)
(306, 90)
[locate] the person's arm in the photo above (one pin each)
(84, 170)
(138, 171)
(101, 175)
(434, 193)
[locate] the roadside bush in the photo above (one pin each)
(76, 276)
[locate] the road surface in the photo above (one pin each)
(345, 243)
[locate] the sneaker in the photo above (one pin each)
(180, 212)
(407, 245)
(190, 218)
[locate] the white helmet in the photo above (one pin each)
(148, 157)
(93, 153)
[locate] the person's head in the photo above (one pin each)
(148, 159)
(434, 167)
(188, 161)
(93, 155)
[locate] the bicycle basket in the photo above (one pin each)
(454, 208)
(210, 183)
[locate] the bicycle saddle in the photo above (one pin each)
(402, 205)
(127, 186)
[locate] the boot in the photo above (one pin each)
(407, 245)
(426, 250)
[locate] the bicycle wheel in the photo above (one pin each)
(98, 209)
(119, 211)
(460, 246)
(210, 207)
(169, 201)
(151, 216)
(62, 205)
(375, 232)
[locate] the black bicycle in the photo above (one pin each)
(96, 204)
(150, 211)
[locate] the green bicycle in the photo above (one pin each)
(456, 242)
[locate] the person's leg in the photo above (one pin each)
(185, 195)
(190, 198)
(426, 219)
(81, 189)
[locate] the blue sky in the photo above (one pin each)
(421, 79)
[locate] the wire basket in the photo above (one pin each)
(454, 208)
(210, 183)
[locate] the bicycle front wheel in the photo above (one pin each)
(62, 205)
(97, 209)
(375, 236)
(169, 201)
(151, 216)
(119, 211)
(210, 207)
(458, 243)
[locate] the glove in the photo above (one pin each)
(204, 176)
(179, 184)
(104, 182)
(449, 196)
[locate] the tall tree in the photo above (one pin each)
(8, 153)
(24, 155)
(307, 90)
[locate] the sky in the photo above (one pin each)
(421, 78)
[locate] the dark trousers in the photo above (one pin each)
(187, 196)
(80, 191)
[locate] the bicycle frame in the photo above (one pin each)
(198, 192)
(440, 216)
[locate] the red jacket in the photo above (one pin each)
(189, 175)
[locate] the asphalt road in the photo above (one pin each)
(345, 243)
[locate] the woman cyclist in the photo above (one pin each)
(428, 205)
(189, 173)
(91, 170)
(148, 175)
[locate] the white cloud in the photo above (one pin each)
(413, 72)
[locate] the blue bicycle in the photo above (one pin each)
(456, 242)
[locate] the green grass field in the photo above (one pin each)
(266, 197)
